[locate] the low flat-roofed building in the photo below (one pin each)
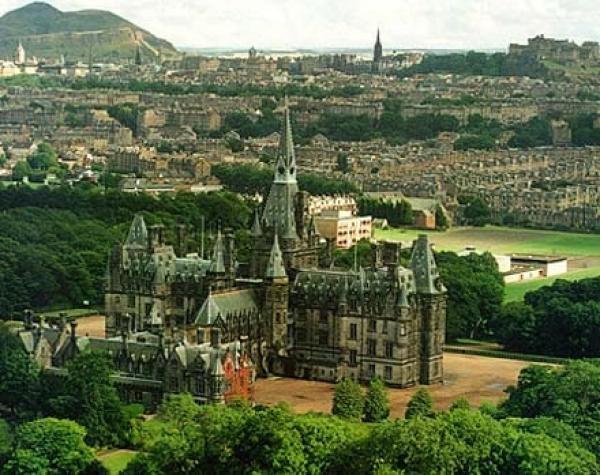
(343, 227)
(550, 265)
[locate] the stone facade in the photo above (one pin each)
(146, 367)
(295, 314)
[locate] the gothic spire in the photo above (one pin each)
(256, 227)
(279, 211)
(286, 159)
(422, 263)
(217, 264)
(275, 266)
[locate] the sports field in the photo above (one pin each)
(516, 291)
(583, 250)
(504, 240)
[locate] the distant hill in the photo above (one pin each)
(47, 32)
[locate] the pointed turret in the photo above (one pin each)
(209, 311)
(275, 266)
(256, 227)
(422, 262)
(138, 233)
(217, 264)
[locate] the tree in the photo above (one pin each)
(348, 400)
(420, 405)
(125, 114)
(6, 441)
(50, 446)
(460, 404)
(21, 170)
(536, 132)
(461, 441)
(516, 327)
(570, 394)
(476, 212)
(90, 399)
(562, 319)
(18, 374)
(441, 218)
(343, 165)
(377, 405)
(44, 157)
(180, 409)
(475, 293)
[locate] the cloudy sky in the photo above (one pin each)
(476, 24)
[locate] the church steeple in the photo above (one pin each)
(286, 157)
(279, 212)
(378, 51)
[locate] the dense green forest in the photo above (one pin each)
(54, 242)
(560, 320)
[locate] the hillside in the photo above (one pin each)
(47, 32)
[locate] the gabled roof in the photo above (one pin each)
(224, 304)
(138, 233)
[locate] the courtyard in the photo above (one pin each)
(475, 378)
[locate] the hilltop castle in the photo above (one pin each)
(292, 316)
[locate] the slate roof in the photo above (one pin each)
(224, 304)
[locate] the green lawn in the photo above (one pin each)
(516, 291)
(116, 461)
(500, 240)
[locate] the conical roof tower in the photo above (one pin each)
(279, 212)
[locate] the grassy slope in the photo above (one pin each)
(516, 291)
(35, 19)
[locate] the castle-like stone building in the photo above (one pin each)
(293, 314)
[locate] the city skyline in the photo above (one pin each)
(269, 24)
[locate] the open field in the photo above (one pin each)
(583, 250)
(504, 240)
(116, 460)
(475, 378)
(516, 291)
